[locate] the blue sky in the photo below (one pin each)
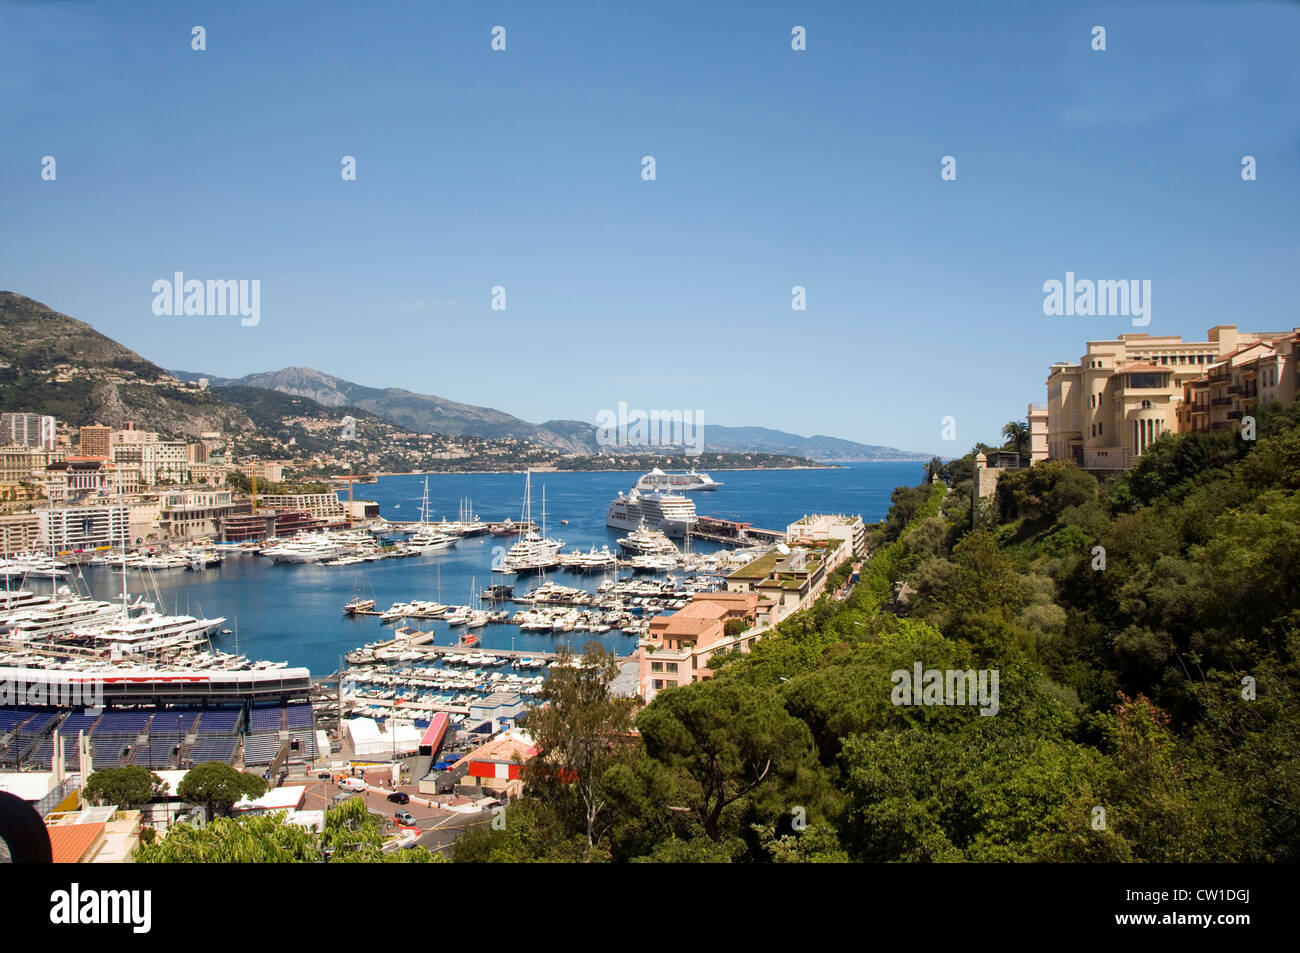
(775, 168)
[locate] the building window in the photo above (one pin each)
(656, 666)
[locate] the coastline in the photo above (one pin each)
(824, 466)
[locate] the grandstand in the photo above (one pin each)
(270, 727)
(159, 739)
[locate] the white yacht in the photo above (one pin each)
(532, 552)
(431, 541)
(644, 541)
(670, 513)
(686, 482)
(57, 618)
(431, 537)
(152, 630)
(16, 599)
(305, 548)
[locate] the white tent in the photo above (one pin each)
(368, 741)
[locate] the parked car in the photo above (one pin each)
(353, 784)
(404, 817)
(400, 797)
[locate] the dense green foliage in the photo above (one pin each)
(125, 786)
(1145, 630)
(352, 834)
(217, 786)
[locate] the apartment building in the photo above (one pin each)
(784, 580)
(72, 529)
(677, 648)
(819, 528)
(1251, 376)
(20, 533)
(28, 430)
(1105, 411)
(321, 506)
(26, 464)
(194, 513)
(95, 441)
(1036, 419)
(273, 472)
(131, 435)
(164, 461)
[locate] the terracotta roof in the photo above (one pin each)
(506, 748)
(694, 618)
(1141, 369)
(71, 842)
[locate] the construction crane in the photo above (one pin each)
(354, 478)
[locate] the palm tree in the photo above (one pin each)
(1017, 434)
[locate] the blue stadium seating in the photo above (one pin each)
(211, 749)
(265, 719)
(299, 716)
(260, 749)
(122, 724)
(172, 724)
(218, 722)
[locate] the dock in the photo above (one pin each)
(733, 533)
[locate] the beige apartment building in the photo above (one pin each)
(95, 441)
(1254, 375)
(1104, 412)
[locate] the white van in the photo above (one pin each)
(353, 784)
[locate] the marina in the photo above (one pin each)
(293, 611)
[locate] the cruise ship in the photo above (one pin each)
(670, 513)
(657, 480)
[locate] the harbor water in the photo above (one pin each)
(294, 612)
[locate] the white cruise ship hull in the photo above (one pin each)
(622, 519)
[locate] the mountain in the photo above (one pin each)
(423, 413)
(51, 363)
(431, 414)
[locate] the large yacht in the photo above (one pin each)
(532, 552)
(152, 631)
(56, 618)
(644, 541)
(431, 540)
(307, 548)
(687, 482)
(16, 599)
(670, 513)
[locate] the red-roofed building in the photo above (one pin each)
(677, 648)
(497, 765)
(76, 843)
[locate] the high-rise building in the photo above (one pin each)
(27, 430)
(95, 441)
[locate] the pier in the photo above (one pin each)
(732, 533)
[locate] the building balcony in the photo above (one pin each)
(1221, 401)
(1234, 415)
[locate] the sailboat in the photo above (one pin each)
(359, 602)
(429, 539)
(532, 552)
(478, 617)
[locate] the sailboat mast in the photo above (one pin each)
(125, 611)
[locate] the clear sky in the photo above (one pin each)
(775, 168)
